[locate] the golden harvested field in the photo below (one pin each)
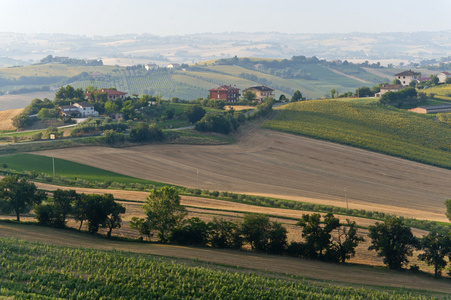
(6, 122)
(21, 101)
(285, 166)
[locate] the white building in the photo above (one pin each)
(79, 110)
(442, 76)
(151, 67)
(407, 76)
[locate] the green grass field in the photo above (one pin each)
(67, 169)
(386, 130)
(38, 271)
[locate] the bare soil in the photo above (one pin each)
(286, 166)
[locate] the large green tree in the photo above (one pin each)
(18, 195)
(317, 237)
(164, 211)
(263, 235)
(194, 113)
(297, 96)
(249, 95)
(448, 209)
(56, 211)
(436, 247)
(99, 211)
(345, 241)
(393, 241)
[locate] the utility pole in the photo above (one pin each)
(197, 179)
(53, 162)
(346, 199)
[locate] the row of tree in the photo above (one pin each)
(19, 196)
(326, 240)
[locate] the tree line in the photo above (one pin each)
(324, 238)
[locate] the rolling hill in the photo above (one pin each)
(313, 78)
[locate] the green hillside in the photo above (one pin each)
(312, 77)
(387, 130)
(41, 271)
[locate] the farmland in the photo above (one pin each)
(64, 168)
(381, 129)
(184, 84)
(53, 272)
(285, 166)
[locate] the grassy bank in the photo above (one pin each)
(385, 130)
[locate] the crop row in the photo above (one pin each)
(381, 129)
(30, 270)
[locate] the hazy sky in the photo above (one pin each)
(179, 17)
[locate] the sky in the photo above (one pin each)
(182, 17)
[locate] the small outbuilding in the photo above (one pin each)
(433, 109)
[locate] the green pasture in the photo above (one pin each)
(381, 129)
(64, 168)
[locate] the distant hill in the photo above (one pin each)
(313, 77)
(310, 75)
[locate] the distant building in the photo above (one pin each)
(225, 92)
(433, 109)
(261, 92)
(173, 66)
(407, 76)
(385, 88)
(111, 94)
(442, 76)
(79, 110)
(150, 67)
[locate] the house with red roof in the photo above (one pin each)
(225, 92)
(111, 94)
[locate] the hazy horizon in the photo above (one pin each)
(176, 17)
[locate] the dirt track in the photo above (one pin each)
(300, 267)
(281, 165)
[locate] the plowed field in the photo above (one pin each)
(285, 166)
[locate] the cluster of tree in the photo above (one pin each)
(407, 97)
(166, 219)
(30, 80)
(97, 125)
(395, 242)
(220, 123)
(263, 109)
(24, 90)
(19, 196)
(144, 132)
(194, 113)
(326, 240)
(71, 61)
(213, 103)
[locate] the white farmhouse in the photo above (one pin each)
(442, 76)
(407, 76)
(79, 110)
